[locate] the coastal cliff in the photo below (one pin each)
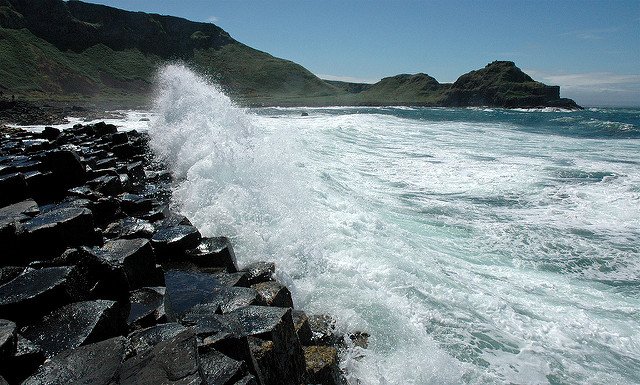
(86, 53)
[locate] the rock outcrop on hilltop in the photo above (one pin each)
(89, 53)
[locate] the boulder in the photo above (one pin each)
(323, 328)
(302, 327)
(77, 324)
(103, 129)
(13, 188)
(129, 228)
(321, 364)
(187, 289)
(147, 307)
(284, 358)
(50, 133)
(135, 171)
(173, 241)
(214, 252)
(218, 369)
(260, 272)
(26, 359)
(134, 256)
(274, 294)
(105, 210)
(49, 233)
(143, 340)
(39, 185)
(174, 361)
(8, 339)
(36, 292)
(95, 364)
(67, 168)
(133, 203)
(119, 137)
(107, 184)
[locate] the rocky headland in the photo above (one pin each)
(102, 283)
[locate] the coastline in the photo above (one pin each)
(86, 213)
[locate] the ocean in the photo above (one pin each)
(475, 246)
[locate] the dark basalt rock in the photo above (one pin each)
(302, 327)
(95, 364)
(147, 307)
(274, 294)
(37, 292)
(247, 380)
(275, 325)
(240, 279)
(143, 340)
(20, 210)
(105, 210)
(8, 339)
(103, 129)
(119, 137)
(134, 256)
(107, 184)
(129, 228)
(53, 231)
(260, 272)
(322, 364)
(39, 184)
(214, 252)
(170, 362)
(187, 289)
(77, 324)
(136, 172)
(173, 241)
(7, 273)
(174, 219)
(323, 328)
(67, 168)
(13, 188)
(218, 369)
(50, 133)
(27, 358)
(132, 203)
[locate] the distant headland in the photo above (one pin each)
(79, 52)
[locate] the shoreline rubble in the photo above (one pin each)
(101, 282)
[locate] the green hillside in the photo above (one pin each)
(86, 53)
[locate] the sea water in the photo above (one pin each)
(473, 245)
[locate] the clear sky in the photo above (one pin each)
(590, 48)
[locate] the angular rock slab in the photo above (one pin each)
(322, 364)
(218, 369)
(260, 272)
(36, 292)
(53, 231)
(27, 358)
(147, 307)
(67, 167)
(8, 339)
(173, 241)
(274, 294)
(95, 364)
(135, 256)
(76, 324)
(214, 252)
(13, 188)
(143, 340)
(275, 325)
(302, 327)
(187, 289)
(129, 228)
(174, 361)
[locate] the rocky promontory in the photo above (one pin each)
(101, 282)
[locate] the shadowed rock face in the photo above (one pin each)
(76, 324)
(95, 364)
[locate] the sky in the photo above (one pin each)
(591, 49)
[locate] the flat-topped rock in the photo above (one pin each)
(95, 364)
(218, 369)
(135, 256)
(21, 210)
(273, 293)
(55, 230)
(174, 361)
(76, 324)
(107, 184)
(67, 167)
(36, 292)
(168, 241)
(214, 252)
(147, 307)
(129, 228)
(143, 340)
(13, 188)
(187, 289)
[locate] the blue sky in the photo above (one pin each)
(590, 48)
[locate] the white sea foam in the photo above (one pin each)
(471, 252)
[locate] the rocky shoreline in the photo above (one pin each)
(102, 283)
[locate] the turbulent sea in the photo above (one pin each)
(473, 245)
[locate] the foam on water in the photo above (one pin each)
(472, 248)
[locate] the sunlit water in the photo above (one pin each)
(475, 246)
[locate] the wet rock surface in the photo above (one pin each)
(111, 286)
